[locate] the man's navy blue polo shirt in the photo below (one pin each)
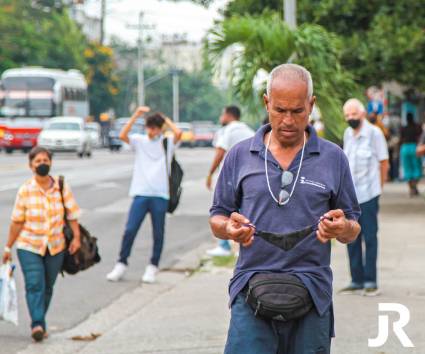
(324, 184)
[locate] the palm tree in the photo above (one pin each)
(266, 42)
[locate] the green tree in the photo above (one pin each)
(382, 40)
(41, 32)
(199, 98)
(266, 42)
(101, 78)
(35, 34)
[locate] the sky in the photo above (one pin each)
(167, 17)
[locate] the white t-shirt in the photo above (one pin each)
(233, 133)
(365, 151)
(150, 172)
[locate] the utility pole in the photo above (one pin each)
(175, 72)
(176, 107)
(141, 85)
(102, 21)
(290, 13)
(140, 64)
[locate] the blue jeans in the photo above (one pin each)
(40, 275)
(157, 207)
(248, 334)
(363, 269)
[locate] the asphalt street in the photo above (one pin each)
(100, 185)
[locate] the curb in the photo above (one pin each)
(122, 308)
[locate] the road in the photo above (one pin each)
(100, 185)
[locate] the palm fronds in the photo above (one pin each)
(265, 42)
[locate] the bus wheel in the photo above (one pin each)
(9, 150)
(80, 155)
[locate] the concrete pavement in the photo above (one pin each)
(100, 185)
(188, 314)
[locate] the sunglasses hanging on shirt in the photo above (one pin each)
(286, 178)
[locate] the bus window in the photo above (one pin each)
(28, 83)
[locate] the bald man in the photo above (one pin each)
(284, 179)
(367, 152)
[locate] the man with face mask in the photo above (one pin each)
(280, 181)
(367, 152)
(149, 188)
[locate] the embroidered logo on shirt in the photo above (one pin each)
(304, 180)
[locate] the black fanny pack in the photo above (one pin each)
(278, 296)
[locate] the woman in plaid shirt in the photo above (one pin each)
(37, 228)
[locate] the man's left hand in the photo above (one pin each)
(208, 182)
(333, 225)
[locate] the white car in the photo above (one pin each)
(94, 131)
(66, 134)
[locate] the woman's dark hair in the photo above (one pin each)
(410, 118)
(155, 120)
(39, 150)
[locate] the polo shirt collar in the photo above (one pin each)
(312, 146)
(364, 130)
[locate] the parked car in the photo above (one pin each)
(188, 136)
(115, 143)
(66, 134)
(19, 134)
(204, 134)
(94, 131)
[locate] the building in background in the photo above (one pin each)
(90, 25)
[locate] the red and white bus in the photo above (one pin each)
(29, 96)
(41, 93)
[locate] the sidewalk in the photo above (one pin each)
(188, 314)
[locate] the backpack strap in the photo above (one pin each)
(61, 185)
(165, 145)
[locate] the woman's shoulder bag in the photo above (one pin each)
(87, 255)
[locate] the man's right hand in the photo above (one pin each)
(7, 257)
(141, 110)
(237, 230)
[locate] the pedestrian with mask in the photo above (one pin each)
(232, 132)
(367, 152)
(149, 187)
(282, 180)
(37, 229)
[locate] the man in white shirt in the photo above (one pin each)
(149, 187)
(367, 152)
(232, 132)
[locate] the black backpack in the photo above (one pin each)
(175, 178)
(87, 255)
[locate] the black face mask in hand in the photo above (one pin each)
(289, 240)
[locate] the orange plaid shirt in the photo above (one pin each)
(42, 214)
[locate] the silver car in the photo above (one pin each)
(66, 134)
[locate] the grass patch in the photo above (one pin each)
(226, 262)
